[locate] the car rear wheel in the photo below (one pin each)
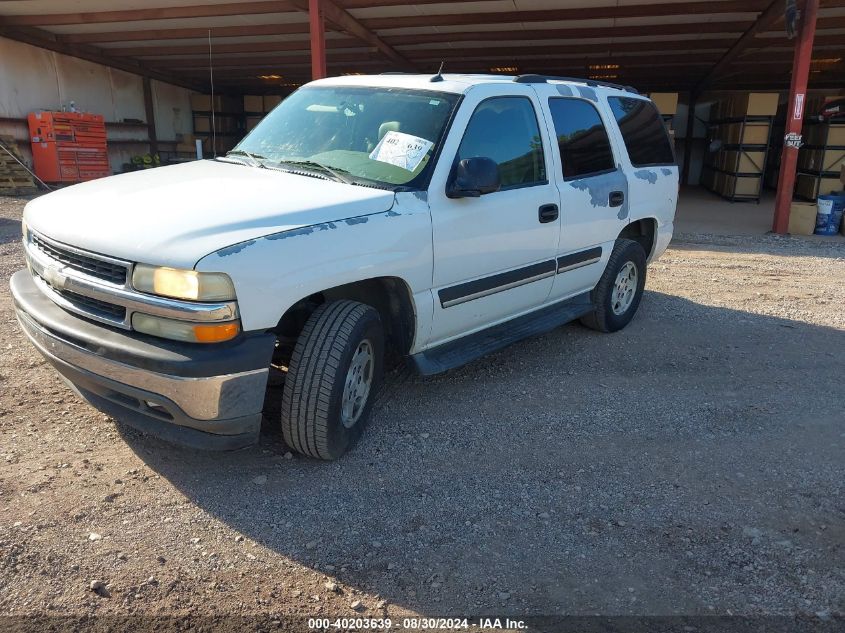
(617, 295)
(334, 372)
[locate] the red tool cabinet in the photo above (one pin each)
(68, 147)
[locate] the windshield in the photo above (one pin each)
(384, 136)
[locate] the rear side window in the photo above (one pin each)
(583, 142)
(505, 129)
(643, 132)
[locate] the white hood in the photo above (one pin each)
(174, 216)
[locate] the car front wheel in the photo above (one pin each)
(333, 375)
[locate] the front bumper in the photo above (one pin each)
(204, 396)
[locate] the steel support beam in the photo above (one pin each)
(795, 114)
(149, 109)
(51, 42)
(318, 39)
(764, 22)
(188, 33)
(345, 22)
(221, 47)
(688, 136)
(571, 14)
(142, 15)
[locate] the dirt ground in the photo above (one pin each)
(691, 464)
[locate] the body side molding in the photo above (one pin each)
(467, 291)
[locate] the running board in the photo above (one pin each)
(464, 350)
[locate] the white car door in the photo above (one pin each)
(494, 255)
(592, 182)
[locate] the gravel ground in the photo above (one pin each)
(691, 464)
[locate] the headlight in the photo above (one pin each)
(25, 231)
(183, 284)
(185, 330)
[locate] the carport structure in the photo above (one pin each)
(257, 45)
(275, 45)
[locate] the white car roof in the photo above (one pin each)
(452, 82)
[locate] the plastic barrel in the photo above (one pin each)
(829, 215)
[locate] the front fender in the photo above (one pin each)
(273, 272)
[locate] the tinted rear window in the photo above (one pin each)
(584, 146)
(643, 131)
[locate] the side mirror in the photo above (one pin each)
(473, 177)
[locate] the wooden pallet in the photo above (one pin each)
(14, 179)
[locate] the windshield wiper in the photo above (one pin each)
(313, 164)
(255, 158)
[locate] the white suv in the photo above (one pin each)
(369, 217)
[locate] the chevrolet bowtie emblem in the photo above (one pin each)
(54, 277)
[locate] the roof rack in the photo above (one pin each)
(541, 79)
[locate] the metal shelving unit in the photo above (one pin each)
(231, 127)
(751, 148)
(820, 159)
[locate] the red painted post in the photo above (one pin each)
(318, 39)
(795, 114)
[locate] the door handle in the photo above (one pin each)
(548, 213)
(616, 198)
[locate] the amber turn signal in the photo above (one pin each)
(215, 333)
(185, 330)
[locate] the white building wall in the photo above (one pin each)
(172, 110)
(33, 78)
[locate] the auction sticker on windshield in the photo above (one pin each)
(403, 150)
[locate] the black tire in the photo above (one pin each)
(314, 386)
(604, 318)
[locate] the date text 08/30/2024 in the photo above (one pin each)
(371, 624)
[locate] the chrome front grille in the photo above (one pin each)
(111, 271)
(95, 306)
(80, 304)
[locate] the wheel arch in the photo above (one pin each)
(644, 232)
(390, 296)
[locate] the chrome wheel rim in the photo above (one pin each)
(624, 288)
(359, 379)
